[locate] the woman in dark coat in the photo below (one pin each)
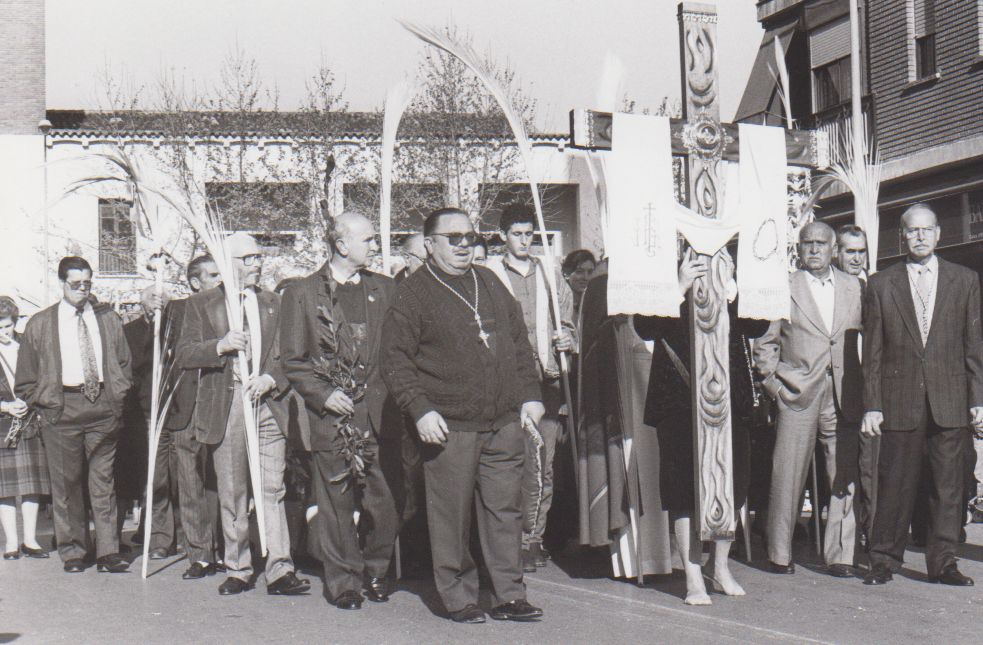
(668, 407)
(23, 469)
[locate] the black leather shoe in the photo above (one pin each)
(288, 585)
(840, 571)
(377, 590)
(232, 586)
(785, 569)
(112, 563)
(33, 553)
(879, 574)
(470, 615)
(528, 561)
(950, 576)
(160, 553)
(198, 570)
(75, 565)
(519, 610)
(11, 555)
(348, 600)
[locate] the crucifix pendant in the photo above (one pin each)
(482, 334)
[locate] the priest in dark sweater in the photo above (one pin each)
(456, 357)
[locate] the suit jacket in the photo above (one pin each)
(139, 334)
(793, 355)
(205, 323)
(39, 381)
(299, 332)
(185, 382)
(899, 372)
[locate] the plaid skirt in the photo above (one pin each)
(24, 470)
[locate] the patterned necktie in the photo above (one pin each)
(923, 286)
(90, 370)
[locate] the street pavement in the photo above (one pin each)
(41, 604)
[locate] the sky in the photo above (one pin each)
(557, 47)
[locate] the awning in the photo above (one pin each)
(761, 85)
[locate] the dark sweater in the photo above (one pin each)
(433, 359)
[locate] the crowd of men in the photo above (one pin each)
(424, 405)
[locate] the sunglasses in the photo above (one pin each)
(460, 239)
(79, 285)
(251, 259)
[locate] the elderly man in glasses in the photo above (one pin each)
(74, 367)
(456, 358)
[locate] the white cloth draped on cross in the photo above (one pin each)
(645, 220)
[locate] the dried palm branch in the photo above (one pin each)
(782, 83)
(397, 100)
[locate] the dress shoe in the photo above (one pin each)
(840, 570)
(540, 556)
(160, 553)
(11, 555)
(112, 563)
(377, 590)
(528, 561)
(75, 565)
(950, 576)
(519, 610)
(198, 570)
(786, 569)
(232, 586)
(33, 553)
(348, 600)
(136, 538)
(288, 585)
(879, 574)
(470, 615)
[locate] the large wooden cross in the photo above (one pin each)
(704, 141)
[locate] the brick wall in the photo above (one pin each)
(912, 117)
(22, 89)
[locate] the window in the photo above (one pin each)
(117, 240)
(974, 210)
(924, 35)
(831, 84)
(411, 202)
(261, 206)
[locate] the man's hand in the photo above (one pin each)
(259, 386)
(340, 403)
(15, 408)
(232, 342)
(432, 428)
(977, 414)
(692, 267)
(563, 341)
(871, 425)
(531, 413)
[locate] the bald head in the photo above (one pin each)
(241, 244)
(814, 229)
(352, 239)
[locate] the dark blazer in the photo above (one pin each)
(205, 324)
(299, 342)
(139, 334)
(185, 381)
(899, 372)
(793, 355)
(39, 381)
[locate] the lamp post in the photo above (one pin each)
(44, 126)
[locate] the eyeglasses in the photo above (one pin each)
(251, 259)
(79, 285)
(460, 239)
(924, 231)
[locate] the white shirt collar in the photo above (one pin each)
(69, 308)
(356, 277)
(932, 266)
(822, 281)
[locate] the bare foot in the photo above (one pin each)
(724, 582)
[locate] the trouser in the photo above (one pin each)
(795, 443)
(166, 525)
(479, 472)
(919, 516)
(351, 552)
(414, 539)
(232, 474)
(870, 448)
(84, 438)
(196, 515)
(537, 480)
(898, 472)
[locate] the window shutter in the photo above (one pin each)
(830, 42)
(924, 17)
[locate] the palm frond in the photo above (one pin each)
(397, 100)
(782, 83)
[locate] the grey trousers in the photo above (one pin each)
(165, 524)
(196, 516)
(537, 481)
(232, 473)
(84, 439)
(483, 471)
(795, 443)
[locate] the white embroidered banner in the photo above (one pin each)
(762, 253)
(642, 277)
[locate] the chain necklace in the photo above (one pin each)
(482, 334)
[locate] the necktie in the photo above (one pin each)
(90, 370)
(923, 286)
